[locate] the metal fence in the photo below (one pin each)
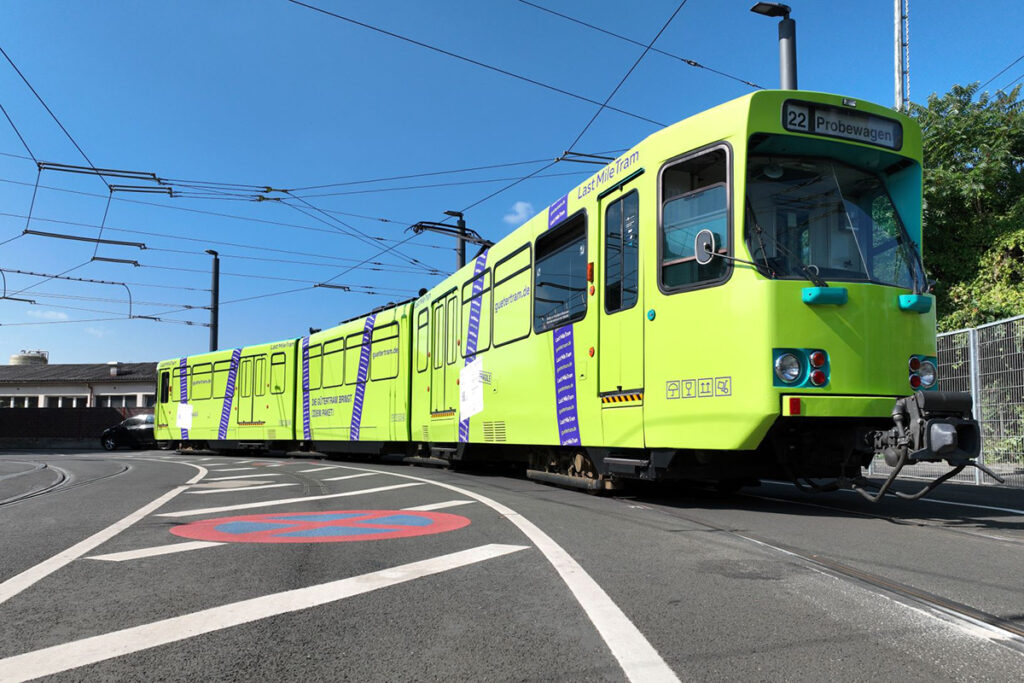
(988, 362)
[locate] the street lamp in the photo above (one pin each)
(787, 41)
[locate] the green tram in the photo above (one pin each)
(741, 295)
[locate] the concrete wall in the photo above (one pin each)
(58, 427)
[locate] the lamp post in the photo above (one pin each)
(214, 299)
(787, 41)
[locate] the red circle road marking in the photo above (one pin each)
(321, 527)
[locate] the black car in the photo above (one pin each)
(135, 432)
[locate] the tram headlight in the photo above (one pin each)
(787, 368)
(927, 374)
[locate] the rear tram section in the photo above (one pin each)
(739, 296)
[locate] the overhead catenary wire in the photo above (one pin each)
(1001, 72)
(102, 282)
(603, 106)
(204, 241)
(647, 48)
(217, 214)
(469, 60)
(52, 115)
(685, 60)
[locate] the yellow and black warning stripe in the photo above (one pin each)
(625, 397)
(443, 413)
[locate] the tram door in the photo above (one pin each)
(620, 355)
(245, 392)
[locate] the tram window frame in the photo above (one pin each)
(329, 360)
(319, 358)
(557, 242)
(260, 375)
(451, 305)
(220, 368)
(496, 282)
(165, 386)
(200, 370)
(437, 329)
(374, 340)
(422, 322)
(176, 383)
(356, 349)
(727, 268)
(245, 377)
(283, 365)
(485, 291)
(621, 282)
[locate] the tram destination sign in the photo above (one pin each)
(835, 122)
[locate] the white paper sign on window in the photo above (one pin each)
(471, 389)
(184, 416)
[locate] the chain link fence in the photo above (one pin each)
(987, 362)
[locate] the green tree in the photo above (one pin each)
(974, 203)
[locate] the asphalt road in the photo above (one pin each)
(110, 569)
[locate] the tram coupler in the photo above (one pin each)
(930, 426)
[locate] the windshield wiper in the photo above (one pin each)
(814, 278)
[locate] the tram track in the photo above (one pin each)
(996, 628)
(916, 522)
(65, 481)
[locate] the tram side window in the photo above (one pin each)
(220, 377)
(315, 366)
(476, 314)
(384, 352)
(437, 329)
(165, 387)
(422, 339)
(453, 331)
(695, 197)
(200, 382)
(278, 367)
(334, 363)
(261, 375)
(353, 349)
(560, 276)
(510, 315)
(622, 256)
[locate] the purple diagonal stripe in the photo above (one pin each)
(473, 331)
(364, 366)
(229, 395)
(565, 388)
(305, 389)
(183, 387)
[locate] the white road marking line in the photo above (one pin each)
(285, 501)
(319, 469)
(153, 551)
(351, 476)
(236, 469)
(78, 653)
(242, 476)
(20, 582)
(242, 489)
(635, 655)
(439, 506)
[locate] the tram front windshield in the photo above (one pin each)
(824, 217)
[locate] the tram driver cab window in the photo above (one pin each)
(695, 197)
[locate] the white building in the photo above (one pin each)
(98, 385)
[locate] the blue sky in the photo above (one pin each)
(272, 94)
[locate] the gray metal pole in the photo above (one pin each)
(787, 54)
(214, 299)
(461, 225)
